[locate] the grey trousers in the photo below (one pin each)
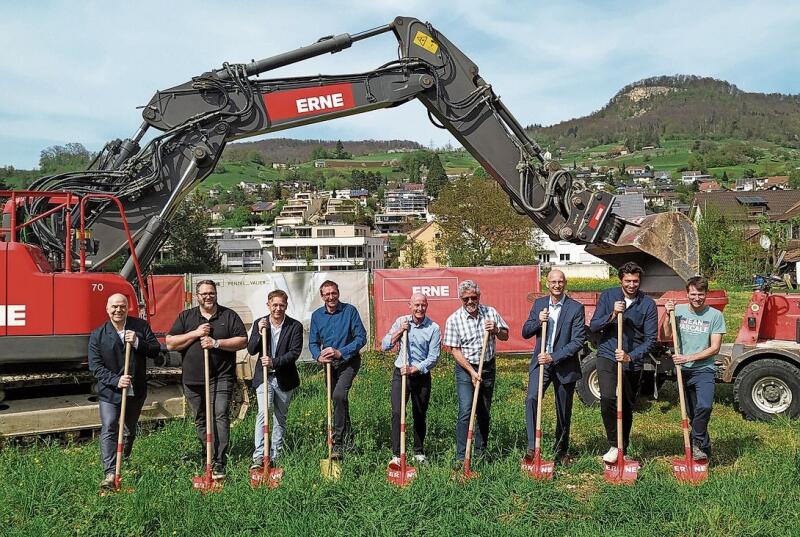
(109, 420)
(279, 404)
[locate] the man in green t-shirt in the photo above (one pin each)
(700, 330)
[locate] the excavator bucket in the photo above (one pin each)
(665, 245)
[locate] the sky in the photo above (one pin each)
(76, 71)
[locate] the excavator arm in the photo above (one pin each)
(194, 121)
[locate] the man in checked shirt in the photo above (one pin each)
(463, 333)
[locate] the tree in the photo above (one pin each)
(319, 153)
(479, 227)
(192, 250)
(58, 158)
(256, 158)
(794, 179)
(437, 178)
(725, 254)
(415, 253)
(340, 153)
(277, 188)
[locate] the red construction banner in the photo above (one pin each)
(504, 288)
(170, 296)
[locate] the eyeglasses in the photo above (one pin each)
(204, 295)
(466, 299)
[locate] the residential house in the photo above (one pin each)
(750, 208)
(694, 176)
(426, 235)
(299, 209)
(327, 247)
(220, 211)
(262, 207)
(243, 255)
(776, 182)
(661, 176)
(709, 186)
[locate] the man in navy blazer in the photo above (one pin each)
(560, 357)
(107, 364)
(284, 345)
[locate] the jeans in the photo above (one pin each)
(698, 388)
(109, 420)
(279, 403)
(464, 390)
(419, 387)
(342, 376)
(607, 376)
(564, 396)
(221, 390)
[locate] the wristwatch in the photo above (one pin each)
(216, 343)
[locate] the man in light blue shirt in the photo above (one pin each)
(700, 331)
(424, 344)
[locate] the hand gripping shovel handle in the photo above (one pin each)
(121, 423)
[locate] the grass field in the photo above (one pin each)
(753, 489)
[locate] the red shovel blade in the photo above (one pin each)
(624, 473)
(689, 471)
(271, 478)
(206, 484)
(396, 476)
(543, 470)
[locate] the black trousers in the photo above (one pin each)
(418, 386)
(342, 376)
(221, 390)
(607, 375)
(564, 395)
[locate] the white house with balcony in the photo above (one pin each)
(327, 247)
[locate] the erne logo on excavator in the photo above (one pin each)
(290, 104)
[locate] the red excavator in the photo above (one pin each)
(61, 233)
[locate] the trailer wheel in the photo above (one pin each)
(588, 387)
(767, 388)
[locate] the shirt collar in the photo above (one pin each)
(560, 301)
(335, 311)
(425, 322)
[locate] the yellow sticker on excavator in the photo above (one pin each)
(425, 41)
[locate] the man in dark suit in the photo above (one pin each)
(284, 345)
(560, 357)
(107, 364)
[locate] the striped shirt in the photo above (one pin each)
(466, 332)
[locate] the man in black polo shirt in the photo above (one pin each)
(221, 331)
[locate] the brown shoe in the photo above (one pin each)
(564, 460)
(107, 483)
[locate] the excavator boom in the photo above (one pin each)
(195, 120)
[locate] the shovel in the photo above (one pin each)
(686, 469)
(536, 467)
(205, 483)
(402, 474)
(330, 468)
(623, 471)
(270, 477)
(468, 473)
(121, 430)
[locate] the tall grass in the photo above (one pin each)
(754, 489)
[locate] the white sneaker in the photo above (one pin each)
(395, 461)
(421, 459)
(611, 455)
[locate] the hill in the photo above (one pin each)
(289, 150)
(681, 106)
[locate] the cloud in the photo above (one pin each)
(79, 69)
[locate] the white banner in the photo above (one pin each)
(246, 294)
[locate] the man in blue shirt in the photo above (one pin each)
(639, 333)
(424, 344)
(336, 337)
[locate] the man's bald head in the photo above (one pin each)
(557, 284)
(418, 304)
(117, 308)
